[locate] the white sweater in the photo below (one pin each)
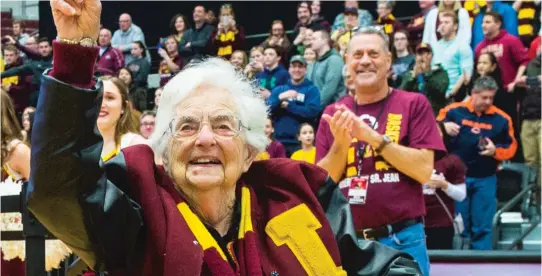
(464, 32)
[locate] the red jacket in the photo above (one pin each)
(110, 62)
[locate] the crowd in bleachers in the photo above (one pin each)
(444, 52)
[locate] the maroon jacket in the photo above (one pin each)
(110, 62)
(224, 46)
(20, 89)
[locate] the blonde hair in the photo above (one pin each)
(457, 6)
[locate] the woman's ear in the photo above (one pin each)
(251, 156)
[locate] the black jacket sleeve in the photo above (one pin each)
(78, 199)
(362, 258)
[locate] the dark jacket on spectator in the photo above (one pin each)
(433, 85)
(531, 102)
(199, 42)
(140, 69)
(228, 43)
(110, 62)
(303, 109)
(270, 79)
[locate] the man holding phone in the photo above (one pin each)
(483, 137)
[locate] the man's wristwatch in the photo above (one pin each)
(86, 41)
(385, 141)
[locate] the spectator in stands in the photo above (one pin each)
(18, 87)
(137, 94)
(293, 104)
(179, 25)
(473, 8)
(402, 57)
(27, 126)
(239, 59)
(530, 127)
(383, 187)
(482, 142)
(349, 83)
(229, 36)
(305, 21)
(36, 63)
(275, 149)
(325, 72)
(210, 18)
(302, 41)
(416, 25)
(147, 122)
(309, 55)
(110, 60)
(277, 37)
(508, 49)
(487, 65)
(15, 153)
(426, 78)
(125, 37)
(365, 18)
(139, 66)
(256, 63)
(18, 32)
(431, 33)
(117, 121)
(30, 49)
(526, 11)
(171, 62)
(157, 96)
(386, 18)
(534, 49)
(454, 55)
(342, 35)
(316, 8)
(274, 73)
(307, 152)
(508, 20)
(447, 185)
(194, 43)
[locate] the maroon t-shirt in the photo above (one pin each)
(454, 171)
(165, 73)
(391, 196)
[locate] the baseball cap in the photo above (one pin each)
(350, 10)
(424, 47)
(298, 58)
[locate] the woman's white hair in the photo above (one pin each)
(215, 72)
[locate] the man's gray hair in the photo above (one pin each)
(372, 30)
(485, 83)
(218, 73)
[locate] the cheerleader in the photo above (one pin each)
(117, 122)
(15, 153)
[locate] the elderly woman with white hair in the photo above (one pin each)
(209, 210)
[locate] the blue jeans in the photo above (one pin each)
(478, 210)
(411, 240)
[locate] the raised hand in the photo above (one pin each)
(77, 19)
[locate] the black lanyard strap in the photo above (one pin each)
(361, 145)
